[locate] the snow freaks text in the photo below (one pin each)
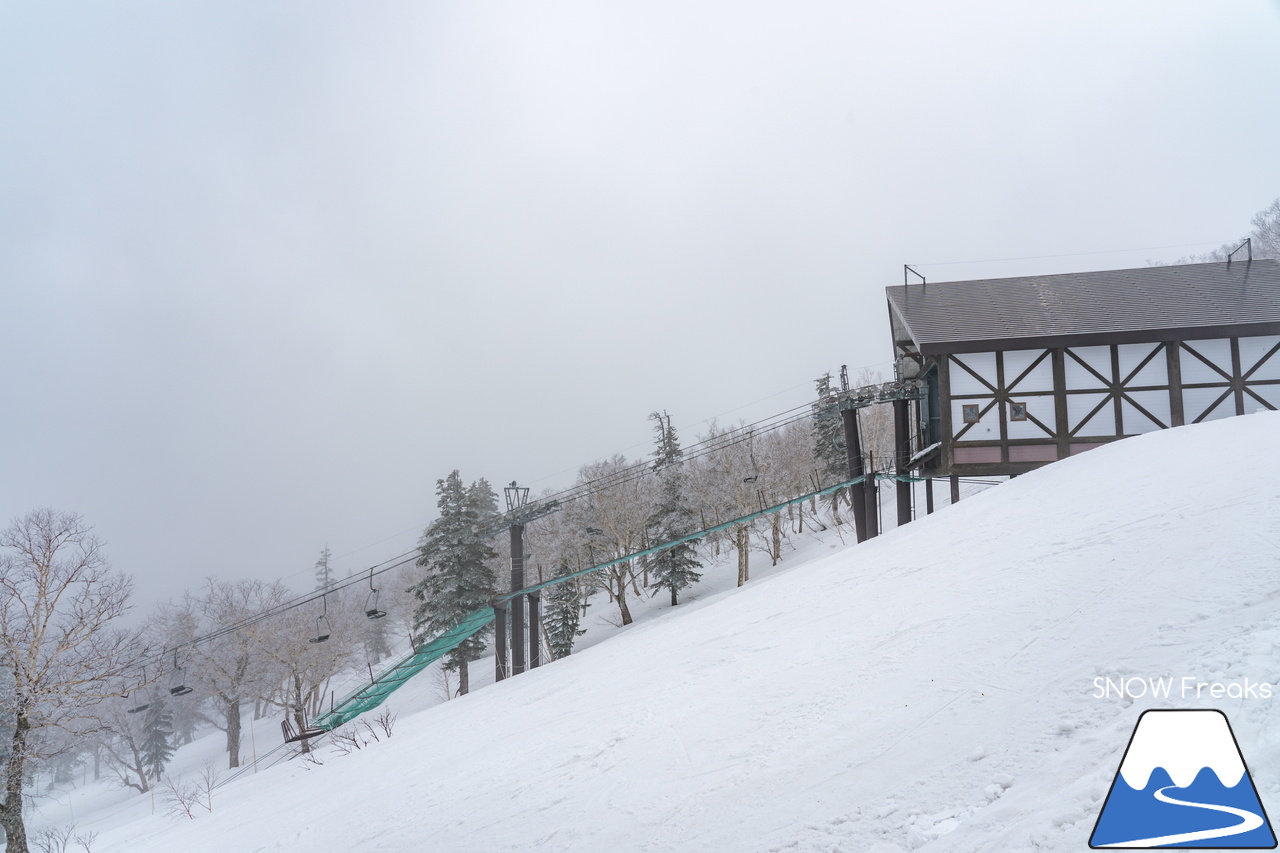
(1186, 687)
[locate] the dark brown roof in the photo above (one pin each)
(1182, 302)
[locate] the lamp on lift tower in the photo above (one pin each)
(517, 496)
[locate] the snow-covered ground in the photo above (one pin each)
(932, 689)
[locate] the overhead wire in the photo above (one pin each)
(710, 445)
(614, 479)
(712, 418)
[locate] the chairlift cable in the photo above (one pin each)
(625, 476)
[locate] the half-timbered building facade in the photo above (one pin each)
(1024, 371)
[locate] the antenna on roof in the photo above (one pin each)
(1247, 244)
(906, 291)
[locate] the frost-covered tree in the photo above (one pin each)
(377, 643)
(828, 437)
(615, 516)
(232, 667)
(299, 664)
(562, 614)
(324, 571)
(61, 654)
(562, 539)
(728, 482)
(875, 424)
(675, 568)
(121, 740)
(1265, 237)
(157, 745)
(459, 578)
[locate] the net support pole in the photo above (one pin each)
(853, 454)
(902, 448)
(928, 496)
(535, 624)
(871, 493)
(517, 603)
(499, 642)
(955, 489)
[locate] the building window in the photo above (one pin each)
(1017, 411)
(970, 411)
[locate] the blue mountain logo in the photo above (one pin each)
(1183, 783)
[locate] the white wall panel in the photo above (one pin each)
(1155, 402)
(981, 363)
(1037, 407)
(1270, 393)
(988, 429)
(1154, 372)
(1194, 370)
(1079, 405)
(1134, 421)
(1253, 349)
(1196, 400)
(1099, 358)
(1039, 379)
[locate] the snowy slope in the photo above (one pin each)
(932, 689)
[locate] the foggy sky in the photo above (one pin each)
(271, 269)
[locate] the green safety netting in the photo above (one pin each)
(393, 677)
(724, 525)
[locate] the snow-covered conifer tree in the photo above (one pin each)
(828, 438)
(675, 568)
(562, 614)
(324, 573)
(459, 579)
(157, 738)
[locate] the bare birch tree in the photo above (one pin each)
(59, 648)
(232, 667)
(300, 663)
(619, 516)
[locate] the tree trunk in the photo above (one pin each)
(741, 539)
(464, 682)
(673, 595)
(622, 599)
(139, 766)
(300, 722)
(15, 832)
(233, 731)
(300, 712)
(777, 538)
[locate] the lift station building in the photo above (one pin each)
(1020, 372)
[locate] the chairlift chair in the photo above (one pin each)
(290, 736)
(371, 602)
(323, 630)
(142, 704)
(178, 678)
(755, 469)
